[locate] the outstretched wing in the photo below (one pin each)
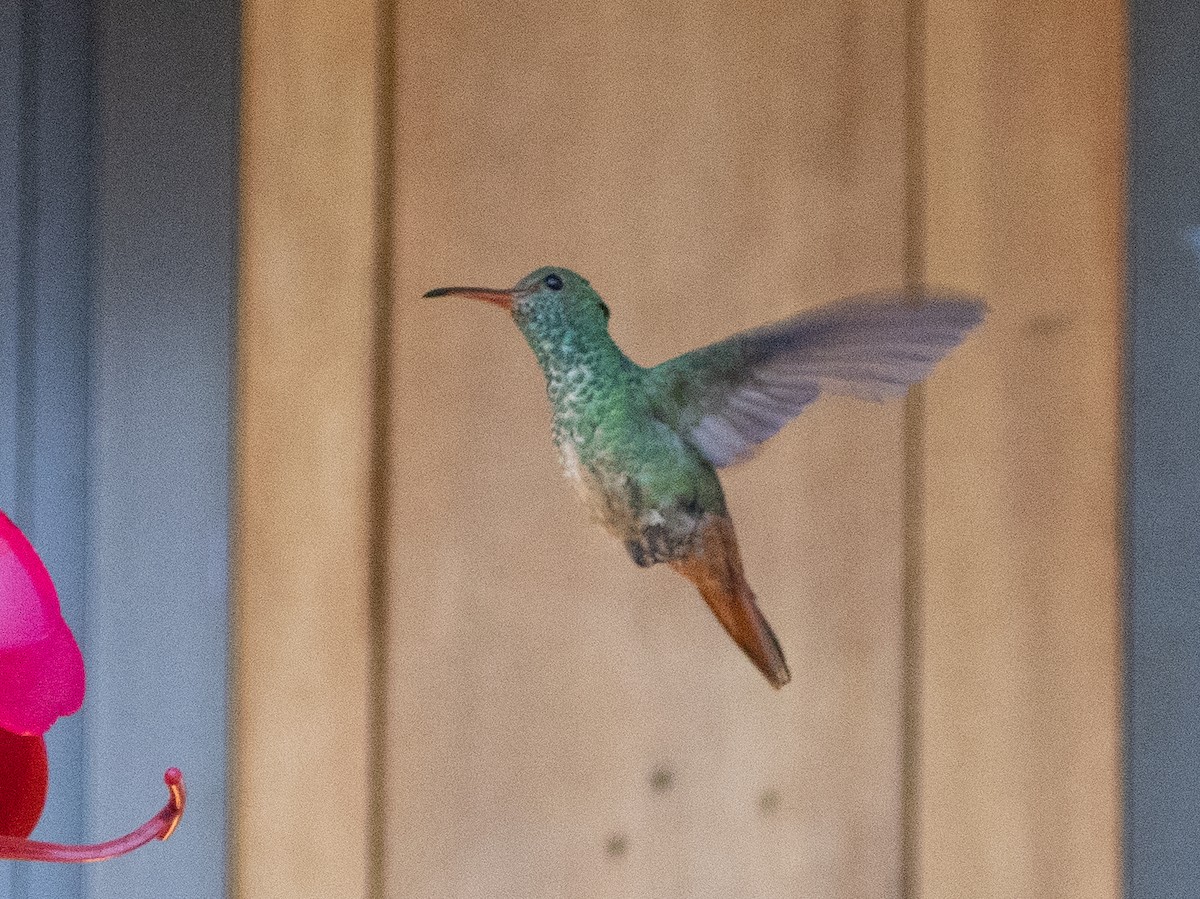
(727, 398)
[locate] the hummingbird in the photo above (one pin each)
(642, 446)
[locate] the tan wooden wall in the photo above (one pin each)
(448, 683)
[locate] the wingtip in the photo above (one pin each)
(970, 310)
(976, 310)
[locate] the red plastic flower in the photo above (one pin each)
(42, 679)
(41, 669)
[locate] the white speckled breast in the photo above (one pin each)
(605, 499)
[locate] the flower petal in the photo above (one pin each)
(41, 668)
(23, 783)
(28, 600)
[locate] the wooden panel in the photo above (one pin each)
(303, 450)
(1025, 132)
(562, 723)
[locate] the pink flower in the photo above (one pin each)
(42, 679)
(41, 668)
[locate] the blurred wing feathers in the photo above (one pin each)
(729, 397)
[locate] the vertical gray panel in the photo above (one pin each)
(46, 268)
(1163, 792)
(131, 514)
(10, 243)
(10, 253)
(164, 297)
(57, 208)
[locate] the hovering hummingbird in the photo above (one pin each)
(641, 445)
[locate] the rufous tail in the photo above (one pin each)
(716, 570)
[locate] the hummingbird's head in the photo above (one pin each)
(546, 304)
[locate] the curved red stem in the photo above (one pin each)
(159, 827)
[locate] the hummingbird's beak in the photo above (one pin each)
(501, 298)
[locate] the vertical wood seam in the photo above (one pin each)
(381, 436)
(913, 453)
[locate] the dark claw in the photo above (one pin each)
(638, 554)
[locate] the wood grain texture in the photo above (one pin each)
(1021, 768)
(561, 722)
(303, 450)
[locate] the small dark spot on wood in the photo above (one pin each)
(662, 779)
(616, 846)
(1047, 324)
(768, 802)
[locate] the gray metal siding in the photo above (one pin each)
(117, 180)
(1163, 665)
(47, 212)
(165, 245)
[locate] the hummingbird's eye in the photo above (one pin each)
(554, 282)
(604, 308)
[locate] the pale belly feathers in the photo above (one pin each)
(652, 532)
